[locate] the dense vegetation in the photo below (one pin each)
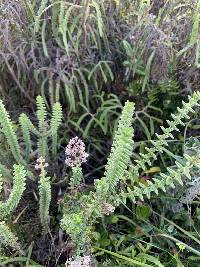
(99, 133)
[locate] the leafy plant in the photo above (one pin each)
(106, 194)
(90, 57)
(7, 238)
(44, 134)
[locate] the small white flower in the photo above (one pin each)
(84, 261)
(108, 209)
(41, 164)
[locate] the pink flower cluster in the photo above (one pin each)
(79, 262)
(75, 152)
(108, 209)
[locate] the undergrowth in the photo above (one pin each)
(99, 133)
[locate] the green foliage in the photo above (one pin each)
(92, 56)
(5, 172)
(165, 180)
(101, 115)
(45, 195)
(46, 131)
(44, 134)
(54, 126)
(105, 189)
(71, 27)
(120, 154)
(182, 113)
(75, 225)
(7, 207)
(43, 127)
(7, 238)
(1, 183)
(24, 123)
(77, 176)
(10, 134)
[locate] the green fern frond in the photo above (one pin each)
(122, 147)
(182, 113)
(54, 125)
(26, 134)
(43, 127)
(45, 198)
(7, 238)
(118, 160)
(10, 134)
(41, 113)
(29, 124)
(165, 180)
(7, 207)
(125, 120)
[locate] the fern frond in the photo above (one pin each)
(165, 180)
(42, 125)
(45, 195)
(54, 125)
(122, 147)
(45, 199)
(26, 134)
(125, 121)
(7, 238)
(41, 113)
(29, 124)
(10, 134)
(9, 205)
(182, 113)
(118, 160)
